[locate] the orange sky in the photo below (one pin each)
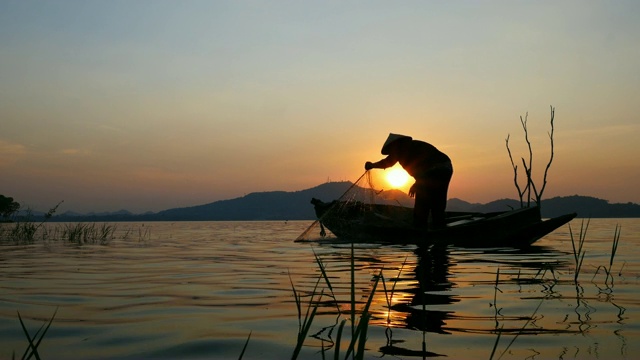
(157, 104)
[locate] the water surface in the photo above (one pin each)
(198, 289)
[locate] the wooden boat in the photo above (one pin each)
(360, 222)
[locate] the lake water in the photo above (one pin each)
(198, 289)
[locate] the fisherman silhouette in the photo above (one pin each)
(432, 171)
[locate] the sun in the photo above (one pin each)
(397, 177)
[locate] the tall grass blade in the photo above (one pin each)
(614, 245)
(307, 320)
(32, 349)
(336, 355)
(302, 335)
(578, 252)
(495, 344)
(614, 249)
(373, 290)
(322, 271)
(389, 295)
(297, 300)
(495, 296)
(364, 320)
(245, 346)
(326, 279)
(362, 339)
(520, 332)
(353, 293)
(305, 325)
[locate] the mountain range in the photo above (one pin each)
(282, 205)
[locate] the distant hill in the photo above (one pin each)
(272, 205)
(584, 206)
(282, 205)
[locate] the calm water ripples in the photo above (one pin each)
(197, 289)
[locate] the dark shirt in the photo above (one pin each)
(417, 158)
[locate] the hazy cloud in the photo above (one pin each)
(75, 152)
(11, 152)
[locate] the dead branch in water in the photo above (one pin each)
(528, 166)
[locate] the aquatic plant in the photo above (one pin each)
(36, 339)
(304, 324)
(496, 289)
(244, 348)
(25, 229)
(529, 319)
(578, 251)
(389, 294)
(326, 279)
(614, 249)
(143, 235)
(88, 233)
(359, 327)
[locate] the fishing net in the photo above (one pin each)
(364, 202)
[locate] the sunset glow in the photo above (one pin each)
(148, 107)
(397, 177)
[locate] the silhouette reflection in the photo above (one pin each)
(431, 272)
(422, 296)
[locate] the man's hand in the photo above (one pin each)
(368, 165)
(412, 190)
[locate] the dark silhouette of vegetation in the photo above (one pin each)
(8, 206)
(528, 166)
(25, 228)
(35, 339)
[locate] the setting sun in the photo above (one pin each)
(397, 177)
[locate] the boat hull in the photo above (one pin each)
(359, 222)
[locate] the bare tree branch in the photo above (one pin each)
(515, 172)
(528, 167)
(546, 170)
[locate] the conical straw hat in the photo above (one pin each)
(392, 138)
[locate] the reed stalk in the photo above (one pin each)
(578, 250)
(34, 342)
(304, 324)
(515, 337)
(336, 354)
(495, 296)
(360, 334)
(359, 327)
(389, 295)
(326, 279)
(353, 292)
(245, 346)
(614, 249)
(24, 231)
(83, 233)
(495, 344)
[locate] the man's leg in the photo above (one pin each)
(438, 208)
(421, 210)
(439, 187)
